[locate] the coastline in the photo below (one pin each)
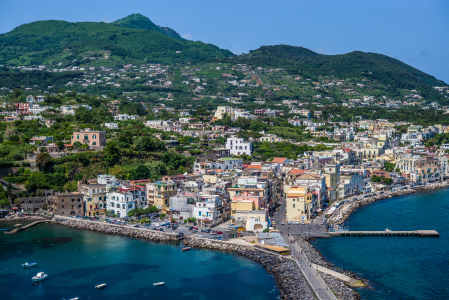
(344, 211)
(289, 279)
(341, 215)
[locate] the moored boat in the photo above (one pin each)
(4, 229)
(100, 286)
(186, 249)
(40, 276)
(29, 265)
(158, 283)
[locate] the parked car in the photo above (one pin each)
(303, 223)
(289, 222)
(212, 233)
(194, 230)
(297, 222)
(219, 232)
(137, 226)
(191, 228)
(282, 223)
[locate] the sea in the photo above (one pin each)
(397, 267)
(78, 260)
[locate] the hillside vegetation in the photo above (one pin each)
(138, 21)
(54, 42)
(380, 68)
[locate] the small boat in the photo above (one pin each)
(29, 265)
(159, 283)
(5, 229)
(186, 249)
(40, 276)
(100, 286)
(74, 298)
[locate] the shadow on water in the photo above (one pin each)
(8, 248)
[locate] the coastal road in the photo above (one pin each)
(315, 281)
(314, 229)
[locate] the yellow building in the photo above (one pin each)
(299, 203)
(240, 210)
(163, 190)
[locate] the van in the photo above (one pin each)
(289, 222)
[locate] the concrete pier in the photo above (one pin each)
(26, 226)
(420, 233)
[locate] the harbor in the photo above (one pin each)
(419, 233)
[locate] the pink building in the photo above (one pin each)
(93, 138)
(259, 201)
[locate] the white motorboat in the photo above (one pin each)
(158, 283)
(40, 276)
(29, 265)
(100, 286)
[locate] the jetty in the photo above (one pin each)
(26, 226)
(420, 233)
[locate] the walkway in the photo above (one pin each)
(349, 280)
(315, 281)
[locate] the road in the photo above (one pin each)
(315, 281)
(314, 229)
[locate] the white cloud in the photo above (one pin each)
(187, 36)
(320, 50)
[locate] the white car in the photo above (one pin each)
(297, 222)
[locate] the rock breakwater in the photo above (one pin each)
(341, 289)
(345, 210)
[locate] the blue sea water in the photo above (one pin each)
(397, 267)
(77, 260)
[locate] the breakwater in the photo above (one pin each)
(290, 281)
(25, 227)
(344, 210)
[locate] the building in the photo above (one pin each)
(299, 204)
(95, 139)
(221, 110)
(120, 202)
(68, 204)
(238, 146)
(163, 190)
(94, 198)
(111, 125)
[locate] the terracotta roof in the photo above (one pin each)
(279, 160)
(296, 171)
(254, 167)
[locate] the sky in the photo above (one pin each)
(415, 32)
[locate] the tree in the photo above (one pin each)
(112, 153)
(43, 160)
(141, 172)
(77, 145)
(162, 216)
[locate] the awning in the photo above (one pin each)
(15, 208)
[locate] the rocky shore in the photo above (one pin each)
(341, 289)
(346, 209)
(289, 279)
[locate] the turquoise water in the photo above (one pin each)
(397, 267)
(77, 260)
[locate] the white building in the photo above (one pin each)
(111, 125)
(120, 202)
(208, 209)
(238, 146)
(125, 117)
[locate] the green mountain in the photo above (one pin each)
(61, 43)
(381, 68)
(138, 21)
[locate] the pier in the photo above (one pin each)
(420, 233)
(26, 226)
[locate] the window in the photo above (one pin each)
(86, 137)
(94, 143)
(94, 137)
(78, 136)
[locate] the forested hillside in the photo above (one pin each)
(381, 68)
(54, 42)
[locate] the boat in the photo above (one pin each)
(159, 283)
(74, 298)
(100, 286)
(186, 249)
(40, 276)
(29, 265)
(5, 229)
